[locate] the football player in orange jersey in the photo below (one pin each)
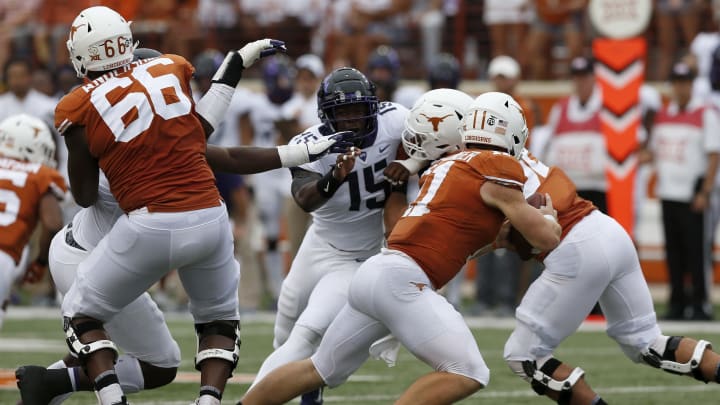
(146, 363)
(463, 200)
(30, 192)
(137, 122)
(595, 261)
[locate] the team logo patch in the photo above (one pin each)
(94, 53)
(74, 29)
(435, 121)
(420, 286)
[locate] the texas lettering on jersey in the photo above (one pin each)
(140, 123)
(449, 221)
(22, 186)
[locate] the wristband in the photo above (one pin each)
(293, 155)
(399, 188)
(328, 185)
(230, 71)
(412, 165)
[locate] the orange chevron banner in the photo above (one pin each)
(620, 73)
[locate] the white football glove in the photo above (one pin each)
(298, 154)
(261, 48)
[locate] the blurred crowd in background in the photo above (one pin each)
(433, 43)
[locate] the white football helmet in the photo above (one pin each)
(100, 39)
(26, 138)
(431, 127)
(495, 118)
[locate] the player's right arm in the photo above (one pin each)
(51, 221)
(213, 106)
(541, 231)
(83, 168)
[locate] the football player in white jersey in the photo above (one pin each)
(150, 358)
(395, 290)
(346, 195)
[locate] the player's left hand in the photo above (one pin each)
(396, 173)
(35, 272)
(345, 163)
(335, 143)
(261, 48)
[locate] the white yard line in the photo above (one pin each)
(525, 393)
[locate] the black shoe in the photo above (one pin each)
(314, 397)
(31, 382)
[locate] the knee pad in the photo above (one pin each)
(666, 360)
(229, 329)
(83, 350)
(541, 378)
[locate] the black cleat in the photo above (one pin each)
(31, 382)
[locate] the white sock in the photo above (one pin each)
(207, 400)
(57, 365)
(112, 394)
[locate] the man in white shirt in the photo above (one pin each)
(686, 152)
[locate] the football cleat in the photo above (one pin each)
(314, 397)
(34, 389)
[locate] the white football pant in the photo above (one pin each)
(139, 329)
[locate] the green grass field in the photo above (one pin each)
(617, 379)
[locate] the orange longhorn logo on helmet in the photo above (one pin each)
(74, 29)
(435, 121)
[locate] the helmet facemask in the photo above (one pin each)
(347, 102)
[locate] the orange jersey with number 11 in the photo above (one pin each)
(449, 221)
(140, 123)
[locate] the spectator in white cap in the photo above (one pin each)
(504, 71)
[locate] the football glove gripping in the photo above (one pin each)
(253, 51)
